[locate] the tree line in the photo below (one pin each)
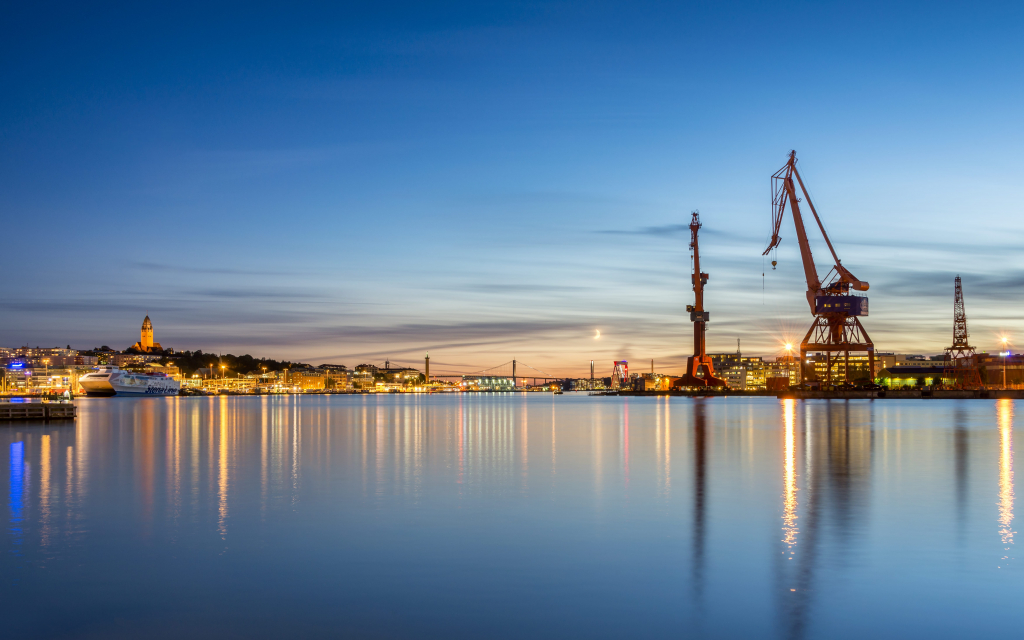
(191, 361)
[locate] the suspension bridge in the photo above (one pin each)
(513, 369)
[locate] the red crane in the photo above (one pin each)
(836, 327)
(700, 362)
(961, 360)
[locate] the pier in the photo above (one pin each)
(18, 411)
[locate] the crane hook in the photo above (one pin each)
(774, 262)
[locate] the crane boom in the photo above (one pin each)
(810, 272)
(783, 191)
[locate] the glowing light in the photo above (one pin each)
(789, 346)
(598, 335)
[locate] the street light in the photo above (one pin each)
(1005, 352)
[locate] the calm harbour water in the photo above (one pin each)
(512, 516)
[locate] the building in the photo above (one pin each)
(993, 368)
(305, 379)
(145, 343)
(40, 356)
(823, 367)
(170, 370)
(738, 371)
(919, 375)
(20, 379)
(399, 375)
(757, 375)
(587, 384)
(653, 382)
(337, 377)
(783, 373)
(128, 359)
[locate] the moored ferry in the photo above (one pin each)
(113, 381)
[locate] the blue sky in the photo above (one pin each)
(350, 182)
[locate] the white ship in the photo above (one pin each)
(112, 381)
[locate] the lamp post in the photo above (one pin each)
(789, 361)
(1005, 352)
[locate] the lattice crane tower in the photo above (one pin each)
(961, 360)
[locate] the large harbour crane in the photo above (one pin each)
(836, 326)
(700, 362)
(961, 368)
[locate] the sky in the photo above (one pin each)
(355, 182)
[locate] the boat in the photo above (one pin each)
(113, 381)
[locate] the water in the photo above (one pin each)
(512, 516)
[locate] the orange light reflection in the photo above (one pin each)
(789, 501)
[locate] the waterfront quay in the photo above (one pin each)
(55, 371)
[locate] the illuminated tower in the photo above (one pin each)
(146, 340)
(427, 369)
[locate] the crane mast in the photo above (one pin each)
(699, 362)
(836, 327)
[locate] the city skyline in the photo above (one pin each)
(353, 184)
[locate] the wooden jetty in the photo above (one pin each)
(11, 411)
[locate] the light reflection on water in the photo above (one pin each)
(1006, 475)
(508, 515)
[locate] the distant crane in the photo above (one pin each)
(620, 374)
(700, 361)
(836, 327)
(961, 360)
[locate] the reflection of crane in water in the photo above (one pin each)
(700, 447)
(837, 458)
(960, 453)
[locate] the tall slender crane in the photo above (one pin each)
(836, 326)
(961, 360)
(700, 362)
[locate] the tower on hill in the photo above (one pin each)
(145, 343)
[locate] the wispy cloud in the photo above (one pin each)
(674, 230)
(168, 268)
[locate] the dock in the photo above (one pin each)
(18, 411)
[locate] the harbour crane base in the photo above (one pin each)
(836, 333)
